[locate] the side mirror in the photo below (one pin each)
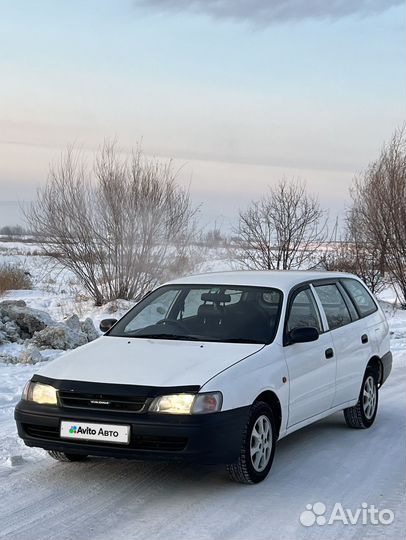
(106, 324)
(303, 334)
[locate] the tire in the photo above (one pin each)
(259, 432)
(363, 414)
(62, 456)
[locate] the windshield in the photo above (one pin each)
(204, 313)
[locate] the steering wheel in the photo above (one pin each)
(173, 322)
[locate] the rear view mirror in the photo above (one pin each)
(303, 334)
(106, 324)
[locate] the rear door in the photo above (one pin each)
(311, 366)
(350, 340)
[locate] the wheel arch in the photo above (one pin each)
(269, 397)
(376, 364)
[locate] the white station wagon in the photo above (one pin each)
(215, 368)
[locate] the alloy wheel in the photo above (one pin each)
(261, 443)
(369, 397)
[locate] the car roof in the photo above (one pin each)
(278, 279)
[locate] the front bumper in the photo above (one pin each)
(206, 438)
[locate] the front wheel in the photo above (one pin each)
(257, 447)
(363, 414)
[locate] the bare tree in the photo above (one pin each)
(356, 253)
(379, 204)
(121, 227)
(281, 231)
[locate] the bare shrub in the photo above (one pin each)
(283, 230)
(214, 237)
(355, 253)
(13, 277)
(118, 227)
(379, 209)
(358, 259)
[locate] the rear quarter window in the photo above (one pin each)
(362, 299)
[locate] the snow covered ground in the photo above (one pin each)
(104, 499)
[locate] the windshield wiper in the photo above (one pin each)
(164, 336)
(179, 337)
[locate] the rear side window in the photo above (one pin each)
(304, 312)
(360, 296)
(334, 305)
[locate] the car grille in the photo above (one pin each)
(102, 402)
(138, 442)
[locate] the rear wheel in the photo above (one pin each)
(363, 414)
(66, 457)
(257, 447)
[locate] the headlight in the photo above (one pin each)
(187, 403)
(43, 394)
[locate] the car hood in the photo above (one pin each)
(149, 362)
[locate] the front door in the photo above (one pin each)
(311, 366)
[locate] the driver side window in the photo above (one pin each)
(155, 312)
(304, 311)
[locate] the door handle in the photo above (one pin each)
(329, 353)
(364, 338)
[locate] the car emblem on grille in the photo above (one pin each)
(99, 402)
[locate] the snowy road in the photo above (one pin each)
(326, 462)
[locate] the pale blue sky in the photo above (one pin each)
(239, 97)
